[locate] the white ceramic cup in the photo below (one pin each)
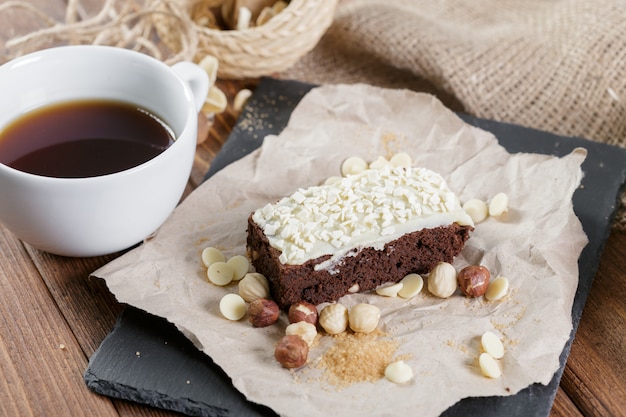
(104, 214)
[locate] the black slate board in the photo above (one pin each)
(147, 360)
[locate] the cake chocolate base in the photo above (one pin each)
(416, 252)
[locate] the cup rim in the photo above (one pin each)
(24, 60)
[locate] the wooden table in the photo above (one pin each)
(53, 316)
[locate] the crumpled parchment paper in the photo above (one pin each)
(536, 245)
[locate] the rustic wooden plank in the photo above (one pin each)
(595, 377)
(563, 406)
(37, 345)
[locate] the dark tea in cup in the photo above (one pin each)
(85, 138)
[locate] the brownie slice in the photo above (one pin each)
(416, 252)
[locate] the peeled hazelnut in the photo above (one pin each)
(253, 286)
(263, 312)
(303, 311)
(334, 318)
(291, 351)
(363, 318)
(474, 280)
(442, 280)
(305, 330)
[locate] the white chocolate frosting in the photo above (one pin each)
(369, 209)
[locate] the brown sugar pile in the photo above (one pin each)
(357, 357)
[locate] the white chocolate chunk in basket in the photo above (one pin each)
(241, 98)
(266, 14)
(211, 255)
(233, 307)
(398, 372)
(401, 159)
(389, 290)
(492, 345)
(412, 285)
(477, 209)
(489, 366)
(210, 65)
(353, 165)
(220, 273)
(215, 101)
(244, 17)
(499, 205)
(240, 265)
(497, 289)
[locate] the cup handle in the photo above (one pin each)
(196, 78)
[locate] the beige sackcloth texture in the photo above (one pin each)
(558, 66)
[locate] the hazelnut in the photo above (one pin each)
(363, 318)
(474, 280)
(303, 311)
(253, 286)
(291, 351)
(334, 318)
(305, 330)
(263, 312)
(442, 280)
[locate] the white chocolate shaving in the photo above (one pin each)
(368, 209)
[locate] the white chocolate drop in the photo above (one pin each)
(240, 265)
(499, 205)
(211, 255)
(492, 345)
(412, 285)
(233, 307)
(353, 165)
(477, 209)
(389, 290)
(489, 366)
(401, 159)
(497, 289)
(398, 372)
(220, 273)
(380, 163)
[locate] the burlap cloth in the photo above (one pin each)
(558, 66)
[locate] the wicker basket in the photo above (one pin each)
(271, 47)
